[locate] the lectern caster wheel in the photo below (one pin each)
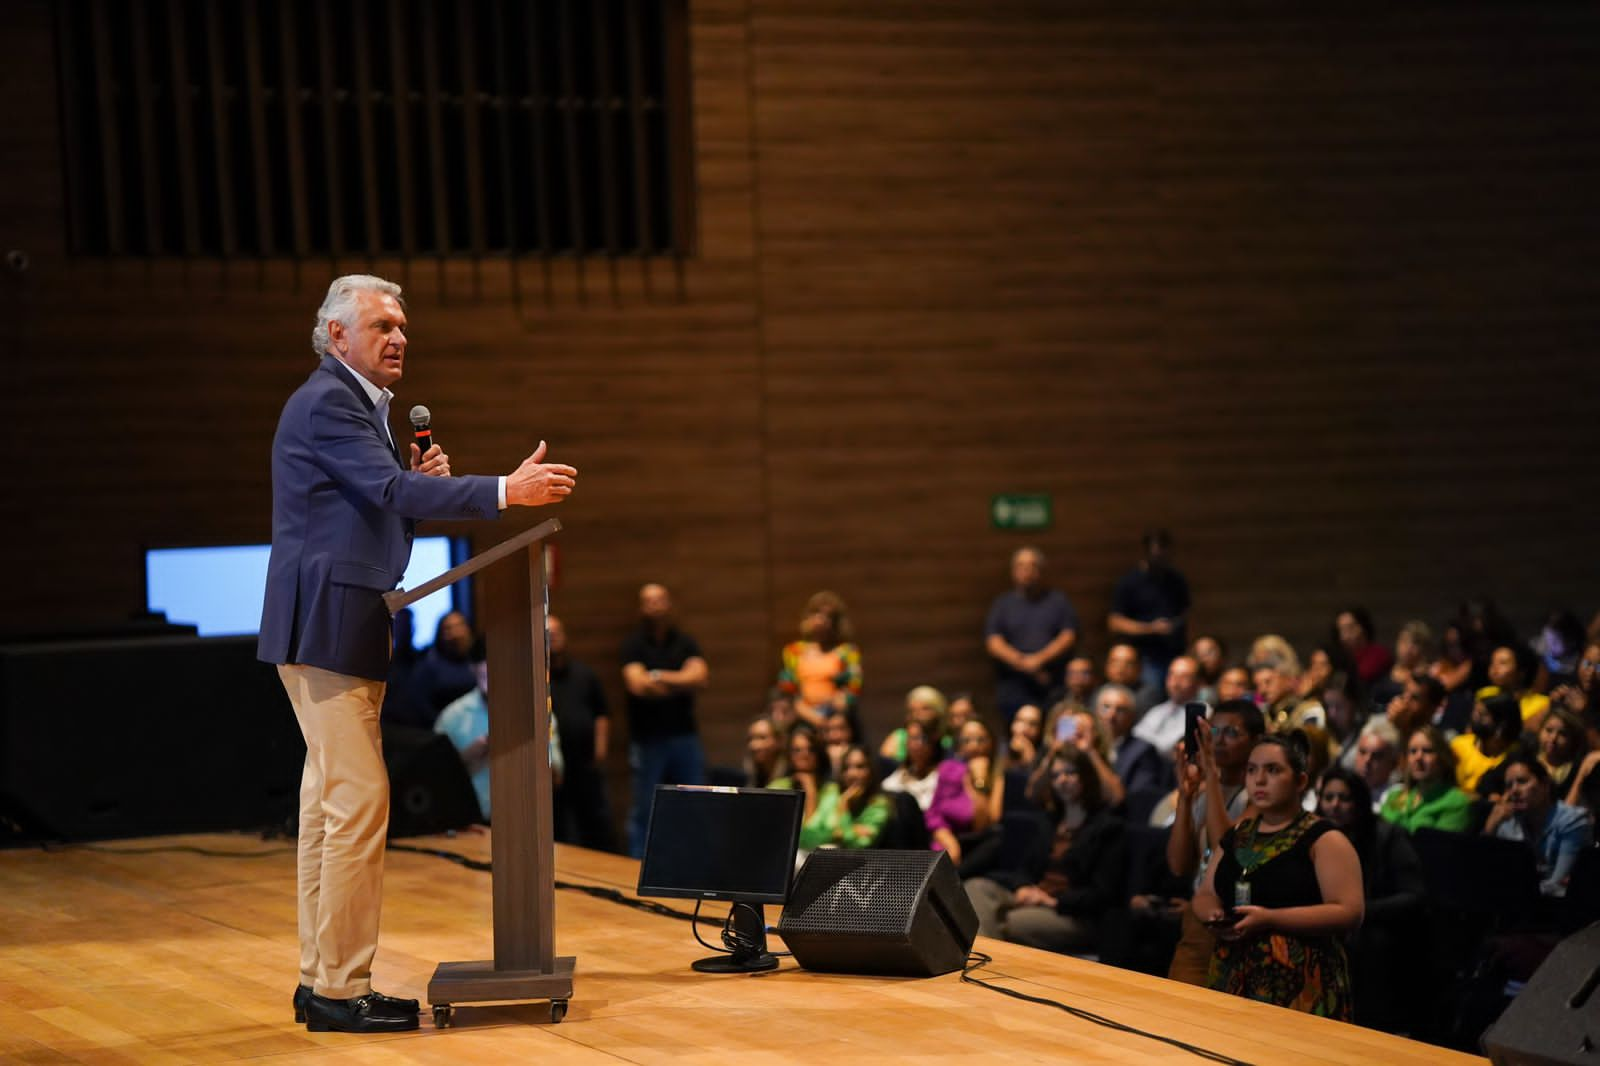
(558, 1010)
(441, 1015)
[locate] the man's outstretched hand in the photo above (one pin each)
(537, 482)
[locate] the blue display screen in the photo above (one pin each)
(219, 589)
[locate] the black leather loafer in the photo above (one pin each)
(363, 1014)
(303, 993)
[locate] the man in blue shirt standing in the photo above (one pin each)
(1030, 631)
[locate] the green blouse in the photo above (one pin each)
(827, 827)
(1444, 807)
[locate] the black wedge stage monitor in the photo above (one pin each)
(736, 845)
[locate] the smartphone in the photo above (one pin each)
(1194, 720)
(1067, 727)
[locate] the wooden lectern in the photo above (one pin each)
(515, 601)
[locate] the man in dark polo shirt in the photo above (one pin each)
(662, 668)
(1150, 609)
(1029, 633)
(582, 811)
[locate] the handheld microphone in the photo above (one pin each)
(421, 421)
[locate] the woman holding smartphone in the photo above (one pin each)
(1282, 890)
(1070, 726)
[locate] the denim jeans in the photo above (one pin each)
(676, 760)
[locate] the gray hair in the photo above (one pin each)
(1383, 729)
(1117, 689)
(340, 304)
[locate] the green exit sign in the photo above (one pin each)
(1020, 511)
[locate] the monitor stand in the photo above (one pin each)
(750, 927)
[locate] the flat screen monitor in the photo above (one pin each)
(732, 844)
(218, 589)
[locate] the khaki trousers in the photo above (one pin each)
(344, 818)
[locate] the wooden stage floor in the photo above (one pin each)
(145, 952)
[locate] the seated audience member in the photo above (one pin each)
(969, 793)
(1582, 698)
(1357, 641)
(1563, 743)
(924, 704)
(1025, 745)
(1137, 764)
(1453, 667)
(780, 708)
(1530, 812)
(1318, 758)
(1510, 671)
(850, 813)
(1085, 731)
(1275, 669)
(1080, 682)
(1211, 796)
(918, 773)
(1162, 726)
(764, 748)
(1428, 796)
(821, 671)
(1124, 667)
(1383, 950)
(1314, 678)
(960, 711)
(1419, 702)
(838, 733)
(1482, 629)
(1281, 939)
(444, 673)
(809, 769)
(1493, 730)
(466, 722)
(1234, 683)
(1377, 759)
(1582, 693)
(1347, 713)
(1558, 647)
(1210, 654)
(1585, 790)
(1413, 654)
(1057, 900)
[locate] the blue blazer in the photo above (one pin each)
(344, 509)
(1141, 767)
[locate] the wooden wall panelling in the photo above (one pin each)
(1315, 289)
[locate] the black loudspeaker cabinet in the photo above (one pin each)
(1555, 1019)
(429, 790)
(144, 736)
(897, 913)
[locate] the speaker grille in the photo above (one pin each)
(857, 893)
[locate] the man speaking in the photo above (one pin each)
(344, 505)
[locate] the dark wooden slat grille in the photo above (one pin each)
(372, 128)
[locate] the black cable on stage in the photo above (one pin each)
(730, 937)
(977, 960)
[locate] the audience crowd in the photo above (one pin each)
(1334, 828)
